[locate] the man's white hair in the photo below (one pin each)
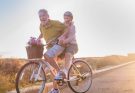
(43, 11)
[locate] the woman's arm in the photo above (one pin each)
(71, 35)
(64, 34)
(63, 37)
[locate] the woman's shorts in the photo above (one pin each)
(54, 51)
(71, 48)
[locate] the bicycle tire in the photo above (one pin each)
(90, 71)
(22, 69)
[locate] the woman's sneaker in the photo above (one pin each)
(54, 91)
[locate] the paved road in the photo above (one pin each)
(121, 80)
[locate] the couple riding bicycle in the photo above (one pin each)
(62, 42)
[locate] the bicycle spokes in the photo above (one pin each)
(80, 77)
(30, 78)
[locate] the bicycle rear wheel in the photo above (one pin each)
(80, 77)
(27, 80)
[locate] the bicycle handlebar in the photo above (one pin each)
(50, 42)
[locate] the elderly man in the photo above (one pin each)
(51, 30)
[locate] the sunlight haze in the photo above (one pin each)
(104, 27)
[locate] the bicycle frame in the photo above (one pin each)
(41, 62)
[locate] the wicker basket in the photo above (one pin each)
(34, 51)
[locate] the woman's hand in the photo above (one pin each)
(61, 40)
(65, 41)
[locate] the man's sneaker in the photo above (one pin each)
(66, 72)
(54, 91)
(60, 75)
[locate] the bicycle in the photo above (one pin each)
(32, 77)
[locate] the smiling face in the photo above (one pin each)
(43, 16)
(67, 19)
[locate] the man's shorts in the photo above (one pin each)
(54, 51)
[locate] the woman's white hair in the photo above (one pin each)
(68, 13)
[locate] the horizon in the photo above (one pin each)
(127, 55)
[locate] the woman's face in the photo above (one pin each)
(67, 19)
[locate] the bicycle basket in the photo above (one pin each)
(34, 51)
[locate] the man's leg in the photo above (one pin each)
(50, 55)
(52, 62)
(55, 65)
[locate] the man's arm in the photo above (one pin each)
(40, 36)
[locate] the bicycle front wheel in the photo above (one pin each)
(28, 80)
(80, 76)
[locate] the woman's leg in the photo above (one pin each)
(68, 62)
(71, 49)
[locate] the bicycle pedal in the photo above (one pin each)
(60, 82)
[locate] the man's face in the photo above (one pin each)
(67, 19)
(43, 17)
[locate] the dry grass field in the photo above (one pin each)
(8, 69)
(10, 66)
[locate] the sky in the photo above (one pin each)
(104, 27)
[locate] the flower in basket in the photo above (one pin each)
(35, 42)
(34, 48)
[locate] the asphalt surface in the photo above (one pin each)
(121, 80)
